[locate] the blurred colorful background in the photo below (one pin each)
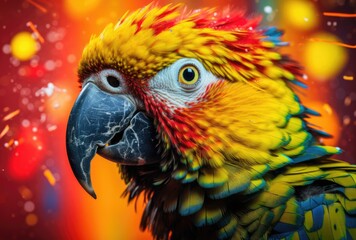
(40, 46)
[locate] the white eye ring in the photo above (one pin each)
(108, 80)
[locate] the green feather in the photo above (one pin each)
(212, 177)
(208, 215)
(263, 225)
(293, 214)
(191, 200)
(277, 194)
(255, 186)
(348, 205)
(228, 230)
(179, 173)
(190, 177)
(251, 216)
(237, 183)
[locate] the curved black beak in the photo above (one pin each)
(109, 125)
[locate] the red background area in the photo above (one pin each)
(39, 196)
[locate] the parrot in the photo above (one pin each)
(200, 109)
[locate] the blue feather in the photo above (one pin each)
(350, 221)
(311, 112)
(312, 202)
(312, 152)
(302, 234)
(299, 83)
(318, 216)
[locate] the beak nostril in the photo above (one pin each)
(113, 81)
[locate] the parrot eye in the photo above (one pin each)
(188, 75)
(113, 81)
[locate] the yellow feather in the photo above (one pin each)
(212, 177)
(326, 230)
(308, 222)
(297, 139)
(337, 221)
(290, 215)
(278, 193)
(251, 216)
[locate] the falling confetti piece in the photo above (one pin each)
(327, 108)
(333, 42)
(4, 131)
(38, 6)
(11, 115)
(348, 78)
(35, 31)
(9, 143)
(335, 14)
(46, 91)
(49, 175)
(51, 128)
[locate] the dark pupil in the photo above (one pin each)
(113, 81)
(188, 74)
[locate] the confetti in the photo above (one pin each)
(38, 6)
(333, 42)
(51, 128)
(348, 78)
(335, 14)
(49, 175)
(4, 131)
(49, 90)
(11, 115)
(9, 143)
(35, 31)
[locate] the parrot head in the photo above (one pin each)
(180, 96)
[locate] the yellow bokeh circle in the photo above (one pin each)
(80, 8)
(324, 60)
(23, 46)
(300, 14)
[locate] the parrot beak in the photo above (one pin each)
(109, 125)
